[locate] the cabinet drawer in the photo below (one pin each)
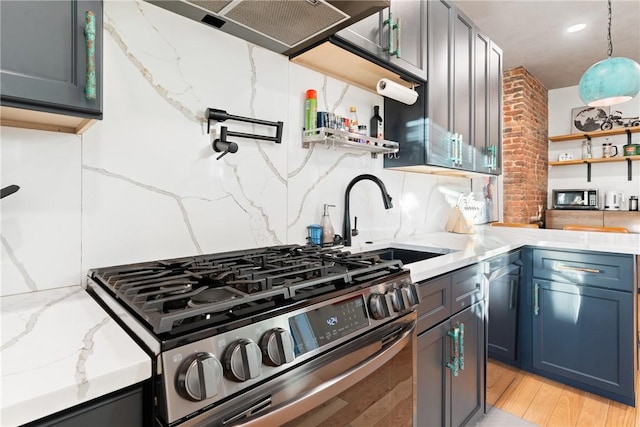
(586, 268)
(435, 305)
(501, 261)
(467, 287)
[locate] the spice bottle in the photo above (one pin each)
(353, 120)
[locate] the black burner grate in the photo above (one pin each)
(171, 294)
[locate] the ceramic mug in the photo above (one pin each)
(609, 150)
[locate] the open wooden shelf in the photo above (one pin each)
(594, 134)
(601, 160)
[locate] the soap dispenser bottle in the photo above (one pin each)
(327, 228)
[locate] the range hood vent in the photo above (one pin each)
(276, 25)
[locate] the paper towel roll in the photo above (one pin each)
(393, 90)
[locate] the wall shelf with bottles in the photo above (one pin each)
(601, 160)
(334, 138)
(594, 134)
(589, 162)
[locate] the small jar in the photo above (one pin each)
(362, 131)
(633, 203)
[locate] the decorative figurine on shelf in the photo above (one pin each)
(615, 118)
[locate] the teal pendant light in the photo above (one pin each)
(611, 81)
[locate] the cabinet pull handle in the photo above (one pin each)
(536, 302)
(579, 269)
(454, 364)
(90, 36)
(456, 142)
(398, 38)
(512, 293)
(461, 346)
(392, 28)
(494, 157)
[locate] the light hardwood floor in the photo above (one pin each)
(548, 403)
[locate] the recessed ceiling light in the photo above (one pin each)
(576, 28)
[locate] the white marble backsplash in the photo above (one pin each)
(145, 184)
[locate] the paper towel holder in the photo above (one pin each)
(393, 90)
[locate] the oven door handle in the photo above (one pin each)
(332, 387)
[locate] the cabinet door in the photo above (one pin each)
(434, 377)
(462, 70)
(410, 35)
(503, 314)
(467, 389)
(481, 103)
(585, 335)
(445, 399)
(44, 53)
(366, 34)
(439, 81)
(494, 118)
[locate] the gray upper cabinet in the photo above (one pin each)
(487, 107)
(450, 79)
(462, 114)
(44, 57)
(396, 35)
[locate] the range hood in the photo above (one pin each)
(283, 26)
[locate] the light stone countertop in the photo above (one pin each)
(60, 349)
(488, 242)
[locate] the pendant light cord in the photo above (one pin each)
(610, 48)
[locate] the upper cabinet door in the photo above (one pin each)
(462, 71)
(366, 34)
(439, 81)
(396, 35)
(409, 36)
(494, 141)
(44, 56)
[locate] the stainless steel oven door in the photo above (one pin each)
(368, 381)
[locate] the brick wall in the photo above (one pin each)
(524, 145)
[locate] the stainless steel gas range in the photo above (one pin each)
(285, 335)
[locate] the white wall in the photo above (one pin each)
(604, 176)
(144, 183)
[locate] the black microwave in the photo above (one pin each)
(575, 199)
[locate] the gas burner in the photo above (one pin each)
(211, 296)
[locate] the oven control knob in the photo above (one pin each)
(277, 347)
(200, 377)
(399, 300)
(379, 306)
(412, 294)
(242, 360)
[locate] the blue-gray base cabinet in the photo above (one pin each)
(579, 326)
(43, 64)
(451, 349)
(504, 276)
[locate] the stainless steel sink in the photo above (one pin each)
(407, 256)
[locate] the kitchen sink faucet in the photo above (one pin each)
(346, 223)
